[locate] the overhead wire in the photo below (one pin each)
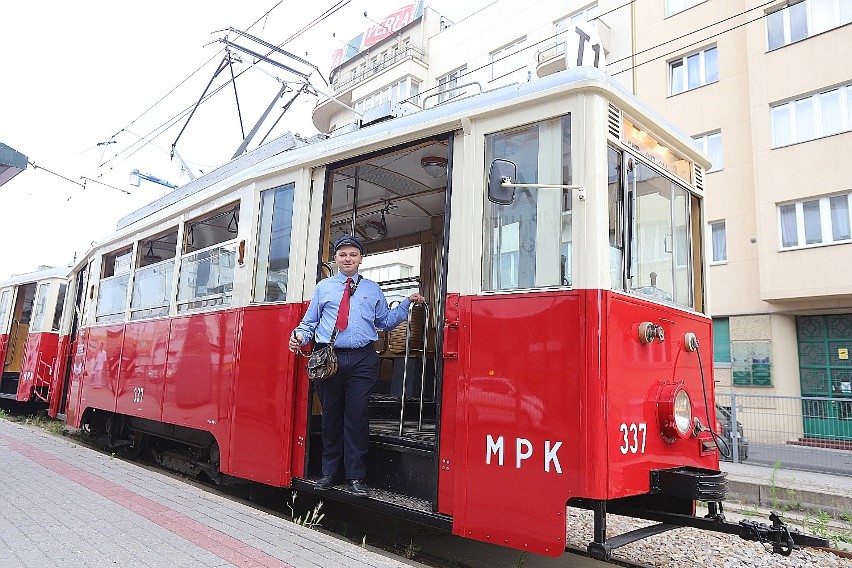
(168, 123)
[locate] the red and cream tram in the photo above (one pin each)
(30, 314)
(555, 228)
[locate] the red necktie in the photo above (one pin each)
(343, 312)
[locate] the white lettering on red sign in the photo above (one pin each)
(388, 25)
(524, 450)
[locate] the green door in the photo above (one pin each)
(825, 369)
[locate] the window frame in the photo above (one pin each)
(447, 84)
(683, 62)
(791, 109)
(826, 226)
(703, 141)
(505, 56)
(784, 13)
(724, 231)
(687, 4)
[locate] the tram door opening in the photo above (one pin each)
(395, 203)
(18, 331)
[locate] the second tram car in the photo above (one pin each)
(30, 315)
(555, 228)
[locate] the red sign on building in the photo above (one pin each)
(388, 25)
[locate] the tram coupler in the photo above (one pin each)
(778, 535)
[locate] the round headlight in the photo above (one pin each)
(674, 408)
(683, 412)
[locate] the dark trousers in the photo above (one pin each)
(345, 421)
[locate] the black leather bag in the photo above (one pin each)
(322, 364)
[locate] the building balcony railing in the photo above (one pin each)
(346, 80)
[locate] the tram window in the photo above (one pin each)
(57, 311)
(4, 309)
(273, 244)
(207, 266)
(616, 220)
(152, 282)
(42, 295)
(662, 248)
(528, 244)
(112, 291)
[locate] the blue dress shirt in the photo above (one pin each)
(368, 312)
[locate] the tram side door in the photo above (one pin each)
(18, 331)
(395, 202)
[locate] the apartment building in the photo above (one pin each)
(764, 88)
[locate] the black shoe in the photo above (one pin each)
(358, 488)
(325, 482)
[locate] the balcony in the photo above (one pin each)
(355, 76)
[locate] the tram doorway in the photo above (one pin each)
(396, 203)
(18, 331)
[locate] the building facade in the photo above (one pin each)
(763, 87)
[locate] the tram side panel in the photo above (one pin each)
(637, 376)
(58, 390)
(101, 366)
(264, 390)
(37, 364)
(143, 369)
(522, 422)
(200, 372)
(452, 399)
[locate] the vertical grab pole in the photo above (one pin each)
(405, 369)
(423, 369)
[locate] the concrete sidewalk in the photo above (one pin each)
(768, 487)
(62, 504)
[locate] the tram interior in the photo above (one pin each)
(17, 340)
(394, 202)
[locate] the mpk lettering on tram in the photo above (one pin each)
(523, 451)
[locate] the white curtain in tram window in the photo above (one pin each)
(813, 225)
(789, 231)
(720, 244)
(830, 110)
(840, 229)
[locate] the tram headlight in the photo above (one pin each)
(675, 412)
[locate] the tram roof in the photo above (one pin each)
(42, 273)
(290, 150)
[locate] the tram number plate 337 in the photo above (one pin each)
(633, 437)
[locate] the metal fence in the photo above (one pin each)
(801, 433)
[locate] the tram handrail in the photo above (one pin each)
(405, 366)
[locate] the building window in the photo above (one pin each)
(404, 90)
(509, 62)
(693, 71)
(812, 116)
(751, 363)
(800, 20)
(447, 84)
(719, 241)
(587, 14)
(721, 340)
(711, 144)
(675, 6)
(819, 221)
